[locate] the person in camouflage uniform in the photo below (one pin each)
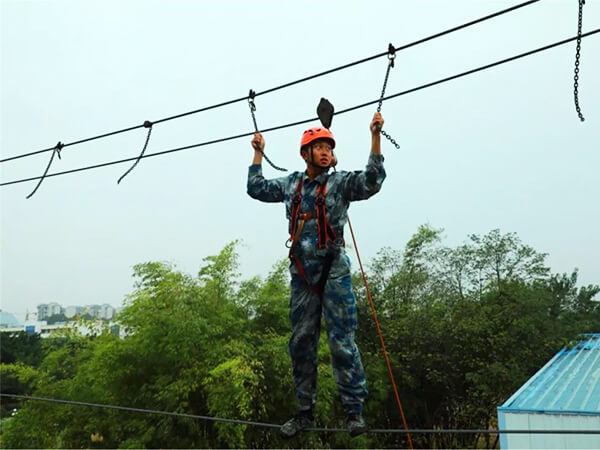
(320, 268)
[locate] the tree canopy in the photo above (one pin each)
(464, 326)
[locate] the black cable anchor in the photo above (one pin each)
(55, 151)
(147, 124)
(391, 57)
(252, 106)
(577, 55)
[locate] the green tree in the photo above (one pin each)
(464, 328)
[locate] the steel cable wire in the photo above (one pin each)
(344, 111)
(285, 85)
(272, 425)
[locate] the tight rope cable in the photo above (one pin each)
(272, 425)
(285, 85)
(363, 105)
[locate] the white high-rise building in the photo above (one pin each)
(46, 310)
(42, 311)
(55, 308)
(107, 311)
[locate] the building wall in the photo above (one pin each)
(55, 309)
(548, 421)
(107, 312)
(47, 310)
(42, 311)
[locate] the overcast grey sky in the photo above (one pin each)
(499, 149)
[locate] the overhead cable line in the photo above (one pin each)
(272, 425)
(285, 85)
(372, 102)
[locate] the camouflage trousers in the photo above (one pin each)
(338, 306)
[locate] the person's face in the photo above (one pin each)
(321, 153)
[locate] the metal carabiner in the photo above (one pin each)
(391, 54)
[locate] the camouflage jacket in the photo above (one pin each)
(342, 188)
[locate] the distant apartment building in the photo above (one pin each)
(48, 310)
(44, 330)
(107, 312)
(42, 311)
(104, 311)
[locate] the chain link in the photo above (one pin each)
(252, 110)
(55, 151)
(391, 139)
(391, 57)
(147, 124)
(577, 56)
(385, 81)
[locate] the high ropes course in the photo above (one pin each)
(325, 118)
(56, 149)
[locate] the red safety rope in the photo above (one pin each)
(383, 349)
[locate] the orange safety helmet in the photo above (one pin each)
(312, 134)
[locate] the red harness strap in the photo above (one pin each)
(324, 229)
(296, 203)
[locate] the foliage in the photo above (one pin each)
(464, 328)
(21, 346)
(56, 318)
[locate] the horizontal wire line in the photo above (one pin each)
(271, 425)
(285, 85)
(472, 71)
(279, 127)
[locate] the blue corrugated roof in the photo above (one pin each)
(568, 383)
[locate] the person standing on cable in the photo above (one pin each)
(316, 203)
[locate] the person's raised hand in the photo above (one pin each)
(258, 142)
(376, 123)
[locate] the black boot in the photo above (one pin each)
(301, 421)
(356, 425)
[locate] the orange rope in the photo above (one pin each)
(383, 349)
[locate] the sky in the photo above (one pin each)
(499, 149)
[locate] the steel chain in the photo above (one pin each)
(577, 56)
(252, 110)
(391, 139)
(55, 151)
(391, 58)
(147, 124)
(385, 81)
